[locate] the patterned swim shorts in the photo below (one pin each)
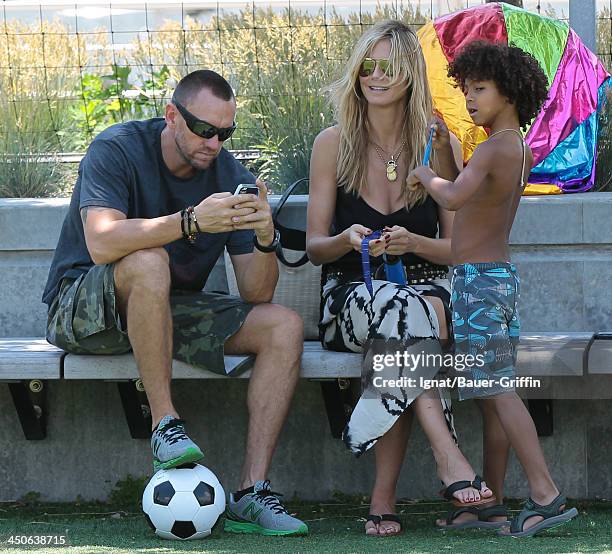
(84, 319)
(486, 325)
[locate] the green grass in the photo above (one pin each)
(334, 527)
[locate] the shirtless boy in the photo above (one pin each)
(504, 88)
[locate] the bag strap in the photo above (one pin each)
(293, 239)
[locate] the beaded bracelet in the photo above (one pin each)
(186, 219)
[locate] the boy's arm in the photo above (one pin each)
(453, 195)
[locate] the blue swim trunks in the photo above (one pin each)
(484, 298)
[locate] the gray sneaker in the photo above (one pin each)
(261, 512)
(171, 446)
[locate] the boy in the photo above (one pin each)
(504, 89)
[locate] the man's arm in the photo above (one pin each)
(110, 236)
(256, 275)
(453, 195)
(256, 272)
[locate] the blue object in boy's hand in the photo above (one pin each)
(428, 147)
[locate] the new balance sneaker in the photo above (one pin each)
(261, 512)
(171, 446)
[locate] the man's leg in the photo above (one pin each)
(142, 288)
(276, 336)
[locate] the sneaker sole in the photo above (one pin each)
(232, 526)
(190, 455)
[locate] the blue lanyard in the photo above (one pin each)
(365, 260)
(428, 148)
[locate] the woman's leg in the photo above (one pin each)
(496, 448)
(452, 464)
(389, 451)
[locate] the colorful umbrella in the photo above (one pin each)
(563, 135)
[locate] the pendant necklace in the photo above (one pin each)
(392, 163)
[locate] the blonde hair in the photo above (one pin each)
(350, 106)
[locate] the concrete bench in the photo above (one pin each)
(26, 363)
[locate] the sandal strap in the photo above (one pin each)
(532, 509)
(460, 485)
(391, 517)
(484, 514)
(373, 518)
(454, 514)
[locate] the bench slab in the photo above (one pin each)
(29, 358)
(540, 354)
(317, 363)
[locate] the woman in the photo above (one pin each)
(358, 185)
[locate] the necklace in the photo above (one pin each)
(392, 163)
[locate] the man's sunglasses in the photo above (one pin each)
(368, 65)
(202, 128)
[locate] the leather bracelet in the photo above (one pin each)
(191, 210)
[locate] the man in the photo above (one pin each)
(129, 269)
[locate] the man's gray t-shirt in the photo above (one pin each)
(124, 170)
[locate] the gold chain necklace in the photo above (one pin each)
(392, 163)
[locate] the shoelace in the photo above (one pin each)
(270, 499)
(173, 431)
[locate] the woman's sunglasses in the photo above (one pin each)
(202, 128)
(368, 65)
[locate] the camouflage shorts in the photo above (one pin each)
(84, 319)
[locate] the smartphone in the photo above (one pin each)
(249, 188)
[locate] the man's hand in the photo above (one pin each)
(215, 212)
(399, 240)
(259, 217)
(356, 233)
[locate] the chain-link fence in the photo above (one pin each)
(68, 71)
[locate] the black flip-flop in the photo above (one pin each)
(476, 483)
(377, 520)
(552, 514)
(483, 518)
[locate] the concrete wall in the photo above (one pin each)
(563, 248)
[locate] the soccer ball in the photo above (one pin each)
(183, 503)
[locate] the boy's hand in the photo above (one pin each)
(399, 240)
(419, 176)
(441, 137)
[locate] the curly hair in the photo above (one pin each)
(516, 73)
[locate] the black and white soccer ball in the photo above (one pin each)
(183, 503)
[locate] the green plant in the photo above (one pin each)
(116, 97)
(128, 491)
(27, 169)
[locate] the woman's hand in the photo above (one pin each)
(399, 240)
(356, 233)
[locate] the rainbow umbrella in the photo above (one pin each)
(563, 135)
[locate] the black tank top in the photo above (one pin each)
(421, 219)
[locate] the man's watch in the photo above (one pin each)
(267, 249)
